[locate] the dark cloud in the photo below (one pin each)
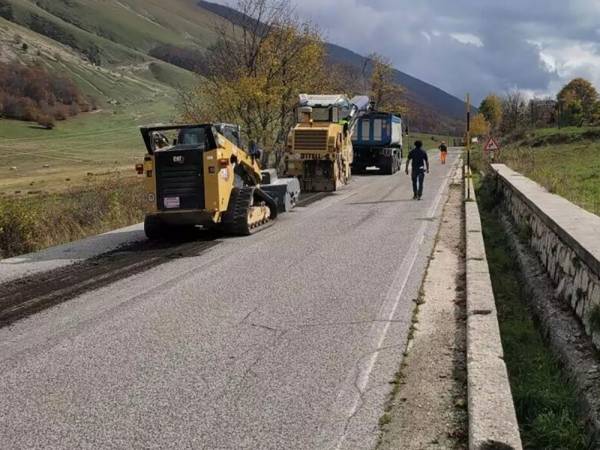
(471, 45)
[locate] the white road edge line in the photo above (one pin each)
(413, 252)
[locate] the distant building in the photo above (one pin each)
(542, 112)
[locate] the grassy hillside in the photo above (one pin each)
(79, 151)
(566, 162)
(103, 46)
(124, 30)
(130, 88)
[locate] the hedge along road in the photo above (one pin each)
(284, 339)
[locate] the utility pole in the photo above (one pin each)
(559, 114)
(468, 138)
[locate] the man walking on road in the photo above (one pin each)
(420, 164)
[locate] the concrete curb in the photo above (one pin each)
(492, 418)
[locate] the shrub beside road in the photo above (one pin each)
(32, 223)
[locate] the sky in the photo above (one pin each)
(475, 46)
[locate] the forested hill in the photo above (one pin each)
(429, 108)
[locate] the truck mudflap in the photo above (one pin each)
(285, 191)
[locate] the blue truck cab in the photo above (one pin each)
(377, 143)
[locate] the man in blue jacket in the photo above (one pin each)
(420, 164)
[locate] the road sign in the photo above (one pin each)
(491, 145)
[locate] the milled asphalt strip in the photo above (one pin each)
(380, 329)
(65, 255)
(26, 296)
(317, 201)
(37, 296)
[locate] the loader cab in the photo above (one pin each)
(325, 114)
(199, 136)
(233, 133)
(192, 137)
(323, 108)
(328, 114)
(163, 138)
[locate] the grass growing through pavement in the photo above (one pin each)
(544, 401)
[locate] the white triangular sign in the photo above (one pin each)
(491, 145)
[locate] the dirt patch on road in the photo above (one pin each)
(428, 407)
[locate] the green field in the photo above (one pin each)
(77, 151)
(429, 140)
(566, 162)
(129, 88)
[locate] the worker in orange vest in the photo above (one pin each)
(443, 152)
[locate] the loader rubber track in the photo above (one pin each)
(235, 220)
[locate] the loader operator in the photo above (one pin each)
(255, 151)
(420, 164)
(345, 123)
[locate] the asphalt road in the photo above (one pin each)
(284, 339)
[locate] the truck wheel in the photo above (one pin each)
(154, 228)
(287, 202)
(388, 168)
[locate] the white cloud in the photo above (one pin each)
(549, 61)
(467, 39)
(483, 46)
(571, 60)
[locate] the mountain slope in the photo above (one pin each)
(417, 90)
(104, 46)
(429, 108)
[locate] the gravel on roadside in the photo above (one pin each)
(428, 407)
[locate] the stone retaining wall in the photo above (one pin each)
(566, 239)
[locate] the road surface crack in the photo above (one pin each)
(354, 322)
(361, 391)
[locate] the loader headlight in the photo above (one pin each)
(151, 197)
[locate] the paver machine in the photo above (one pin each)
(319, 149)
(377, 143)
(200, 175)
